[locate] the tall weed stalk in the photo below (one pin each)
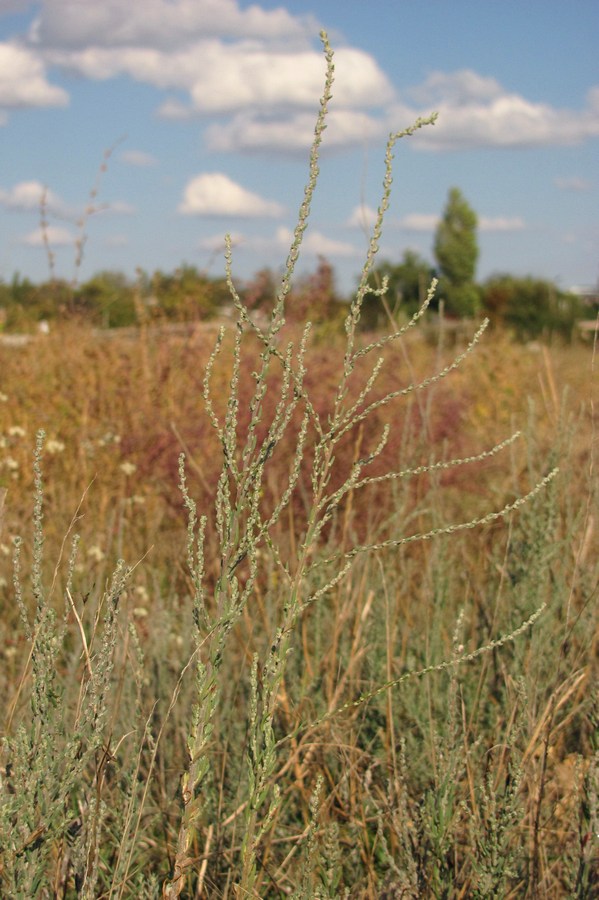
(246, 525)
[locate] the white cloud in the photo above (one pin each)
(223, 77)
(161, 23)
(456, 88)
(26, 196)
(290, 133)
(54, 235)
(244, 75)
(215, 58)
(215, 194)
(362, 217)
(478, 112)
(419, 222)
(573, 183)
(316, 243)
(259, 72)
(138, 158)
(23, 80)
(501, 223)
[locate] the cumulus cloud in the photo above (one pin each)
(138, 158)
(260, 77)
(23, 80)
(257, 77)
(54, 235)
(475, 111)
(455, 88)
(215, 194)
(573, 183)
(315, 242)
(291, 133)
(362, 217)
(215, 58)
(161, 23)
(27, 196)
(221, 77)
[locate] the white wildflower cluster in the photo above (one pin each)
(11, 466)
(54, 446)
(9, 441)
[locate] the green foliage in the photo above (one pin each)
(456, 252)
(530, 307)
(408, 283)
(25, 304)
(110, 300)
(106, 300)
(187, 295)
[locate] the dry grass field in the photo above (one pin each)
(479, 779)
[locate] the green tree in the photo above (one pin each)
(188, 295)
(24, 304)
(456, 252)
(107, 299)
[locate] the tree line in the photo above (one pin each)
(529, 307)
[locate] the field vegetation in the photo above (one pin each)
(298, 612)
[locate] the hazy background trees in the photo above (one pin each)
(529, 307)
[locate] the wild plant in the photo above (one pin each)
(245, 525)
(47, 759)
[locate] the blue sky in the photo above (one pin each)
(207, 108)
